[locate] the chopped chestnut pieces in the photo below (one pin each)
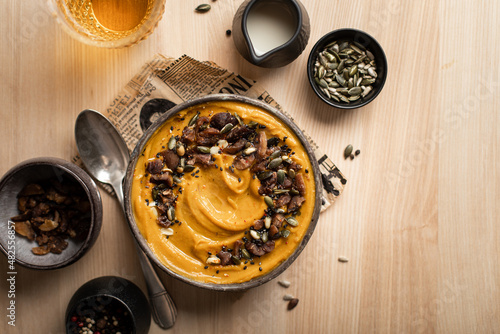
(52, 211)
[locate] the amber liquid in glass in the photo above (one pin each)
(109, 19)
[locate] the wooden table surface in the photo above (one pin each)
(418, 220)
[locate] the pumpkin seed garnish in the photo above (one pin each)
(255, 234)
(188, 168)
(265, 237)
(238, 118)
(203, 8)
(253, 124)
(269, 201)
(292, 221)
(203, 149)
(171, 213)
(236, 260)
(226, 128)
(285, 233)
(246, 254)
(264, 175)
(176, 179)
(280, 191)
(275, 163)
(194, 119)
(345, 64)
(348, 151)
(171, 143)
(281, 176)
(267, 222)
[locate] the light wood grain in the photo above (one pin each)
(419, 219)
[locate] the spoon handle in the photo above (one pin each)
(163, 307)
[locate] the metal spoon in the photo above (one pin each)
(106, 156)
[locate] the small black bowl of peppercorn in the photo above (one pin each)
(347, 68)
(108, 304)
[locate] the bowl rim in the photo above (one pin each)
(198, 101)
(310, 63)
(90, 188)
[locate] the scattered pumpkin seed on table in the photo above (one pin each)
(203, 8)
(345, 71)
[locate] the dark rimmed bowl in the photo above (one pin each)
(369, 43)
(157, 124)
(36, 170)
(104, 292)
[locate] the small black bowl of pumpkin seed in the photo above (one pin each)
(347, 68)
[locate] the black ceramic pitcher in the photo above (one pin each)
(262, 46)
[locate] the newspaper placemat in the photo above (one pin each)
(165, 82)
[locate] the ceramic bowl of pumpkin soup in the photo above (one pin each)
(223, 192)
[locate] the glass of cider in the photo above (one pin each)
(108, 23)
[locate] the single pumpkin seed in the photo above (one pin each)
(246, 254)
(329, 56)
(343, 259)
(354, 98)
(341, 66)
(343, 98)
(176, 179)
(269, 201)
(323, 83)
(275, 163)
(264, 175)
(353, 70)
(340, 80)
(347, 151)
(292, 221)
(253, 124)
(345, 73)
(254, 234)
(343, 45)
(370, 55)
(226, 128)
(280, 191)
(322, 60)
(285, 233)
(264, 237)
(371, 71)
(238, 118)
(171, 213)
(203, 8)
(333, 66)
(366, 91)
(236, 261)
(350, 83)
(356, 49)
(171, 143)
(329, 45)
(333, 84)
(194, 119)
(267, 222)
(355, 91)
(281, 176)
(274, 155)
(291, 173)
(367, 81)
(284, 283)
(188, 168)
(321, 72)
(203, 149)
